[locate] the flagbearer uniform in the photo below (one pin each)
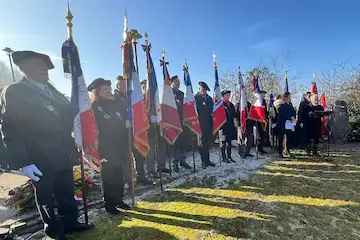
(111, 119)
(180, 144)
(227, 132)
(204, 105)
(37, 126)
(314, 128)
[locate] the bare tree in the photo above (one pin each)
(6, 77)
(341, 81)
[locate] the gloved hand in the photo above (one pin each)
(273, 125)
(301, 125)
(32, 172)
(128, 124)
(153, 119)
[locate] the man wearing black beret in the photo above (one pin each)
(204, 105)
(37, 127)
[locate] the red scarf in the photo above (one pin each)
(227, 101)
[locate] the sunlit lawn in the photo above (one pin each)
(299, 199)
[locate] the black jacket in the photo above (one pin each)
(303, 113)
(286, 112)
(113, 135)
(229, 127)
(36, 128)
(179, 99)
(204, 105)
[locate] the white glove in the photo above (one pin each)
(273, 125)
(153, 119)
(30, 172)
(128, 124)
(301, 125)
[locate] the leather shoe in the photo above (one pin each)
(166, 170)
(111, 209)
(232, 160)
(80, 227)
(63, 237)
(249, 155)
(185, 165)
(211, 164)
(225, 160)
(144, 181)
(123, 205)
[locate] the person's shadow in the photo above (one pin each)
(125, 233)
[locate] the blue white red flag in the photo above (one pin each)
(257, 111)
(219, 116)
(85, 128)
(170, 125)
(138, 112)
(152, 90)
(286, 88)
(243, 103)
(191, 117)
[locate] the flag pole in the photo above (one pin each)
(193, 152)
(163, 62)
(219, 133)
(69, 24)
(147, 48)
(241, 144)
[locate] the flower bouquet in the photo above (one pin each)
(22, 198)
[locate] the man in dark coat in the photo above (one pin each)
(37, 127)
(180, 144)
(121, 98)
(227, 132)
(204, 105)
(313, 130)
(303, 117)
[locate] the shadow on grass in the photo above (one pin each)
(115, 232)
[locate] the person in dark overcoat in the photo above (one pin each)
(227, 132)
(313, 131)
(263, 133)
(121, 98)
(286, 113)
(180, 144)
(204, 106)
(112, 123)
(37, 125)
(303, 117)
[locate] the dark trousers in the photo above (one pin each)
(281, 134)
(56, 187)
(139, 164)
(179, 149)
(112, 182)
(261, 137)
(205, 147)
(225, 146)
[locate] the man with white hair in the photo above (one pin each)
(37, 128)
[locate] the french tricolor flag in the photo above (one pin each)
(191, 117)
(85, 129)
(243, 104)
(257, 111)
(219, 116)
(170, 125)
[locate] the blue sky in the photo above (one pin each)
(240, 32)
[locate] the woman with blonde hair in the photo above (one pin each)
(112, 122)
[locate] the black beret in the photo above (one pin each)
(204, 85)
(143, 81)
(120, 78)
(19, 56)
(173, 78)
(97, 83)
(225, 92)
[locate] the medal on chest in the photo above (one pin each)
(100, 109)
(204, 103)
(51, 108)
(119, 115)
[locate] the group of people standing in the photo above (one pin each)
(37, 125)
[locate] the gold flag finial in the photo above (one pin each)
(125, 27)
(163, 53)
(314, 77)
(146, 35)
(214, 57)
(69, 18)
(286, 74)
(186, 64)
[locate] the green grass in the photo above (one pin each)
(299, 199)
